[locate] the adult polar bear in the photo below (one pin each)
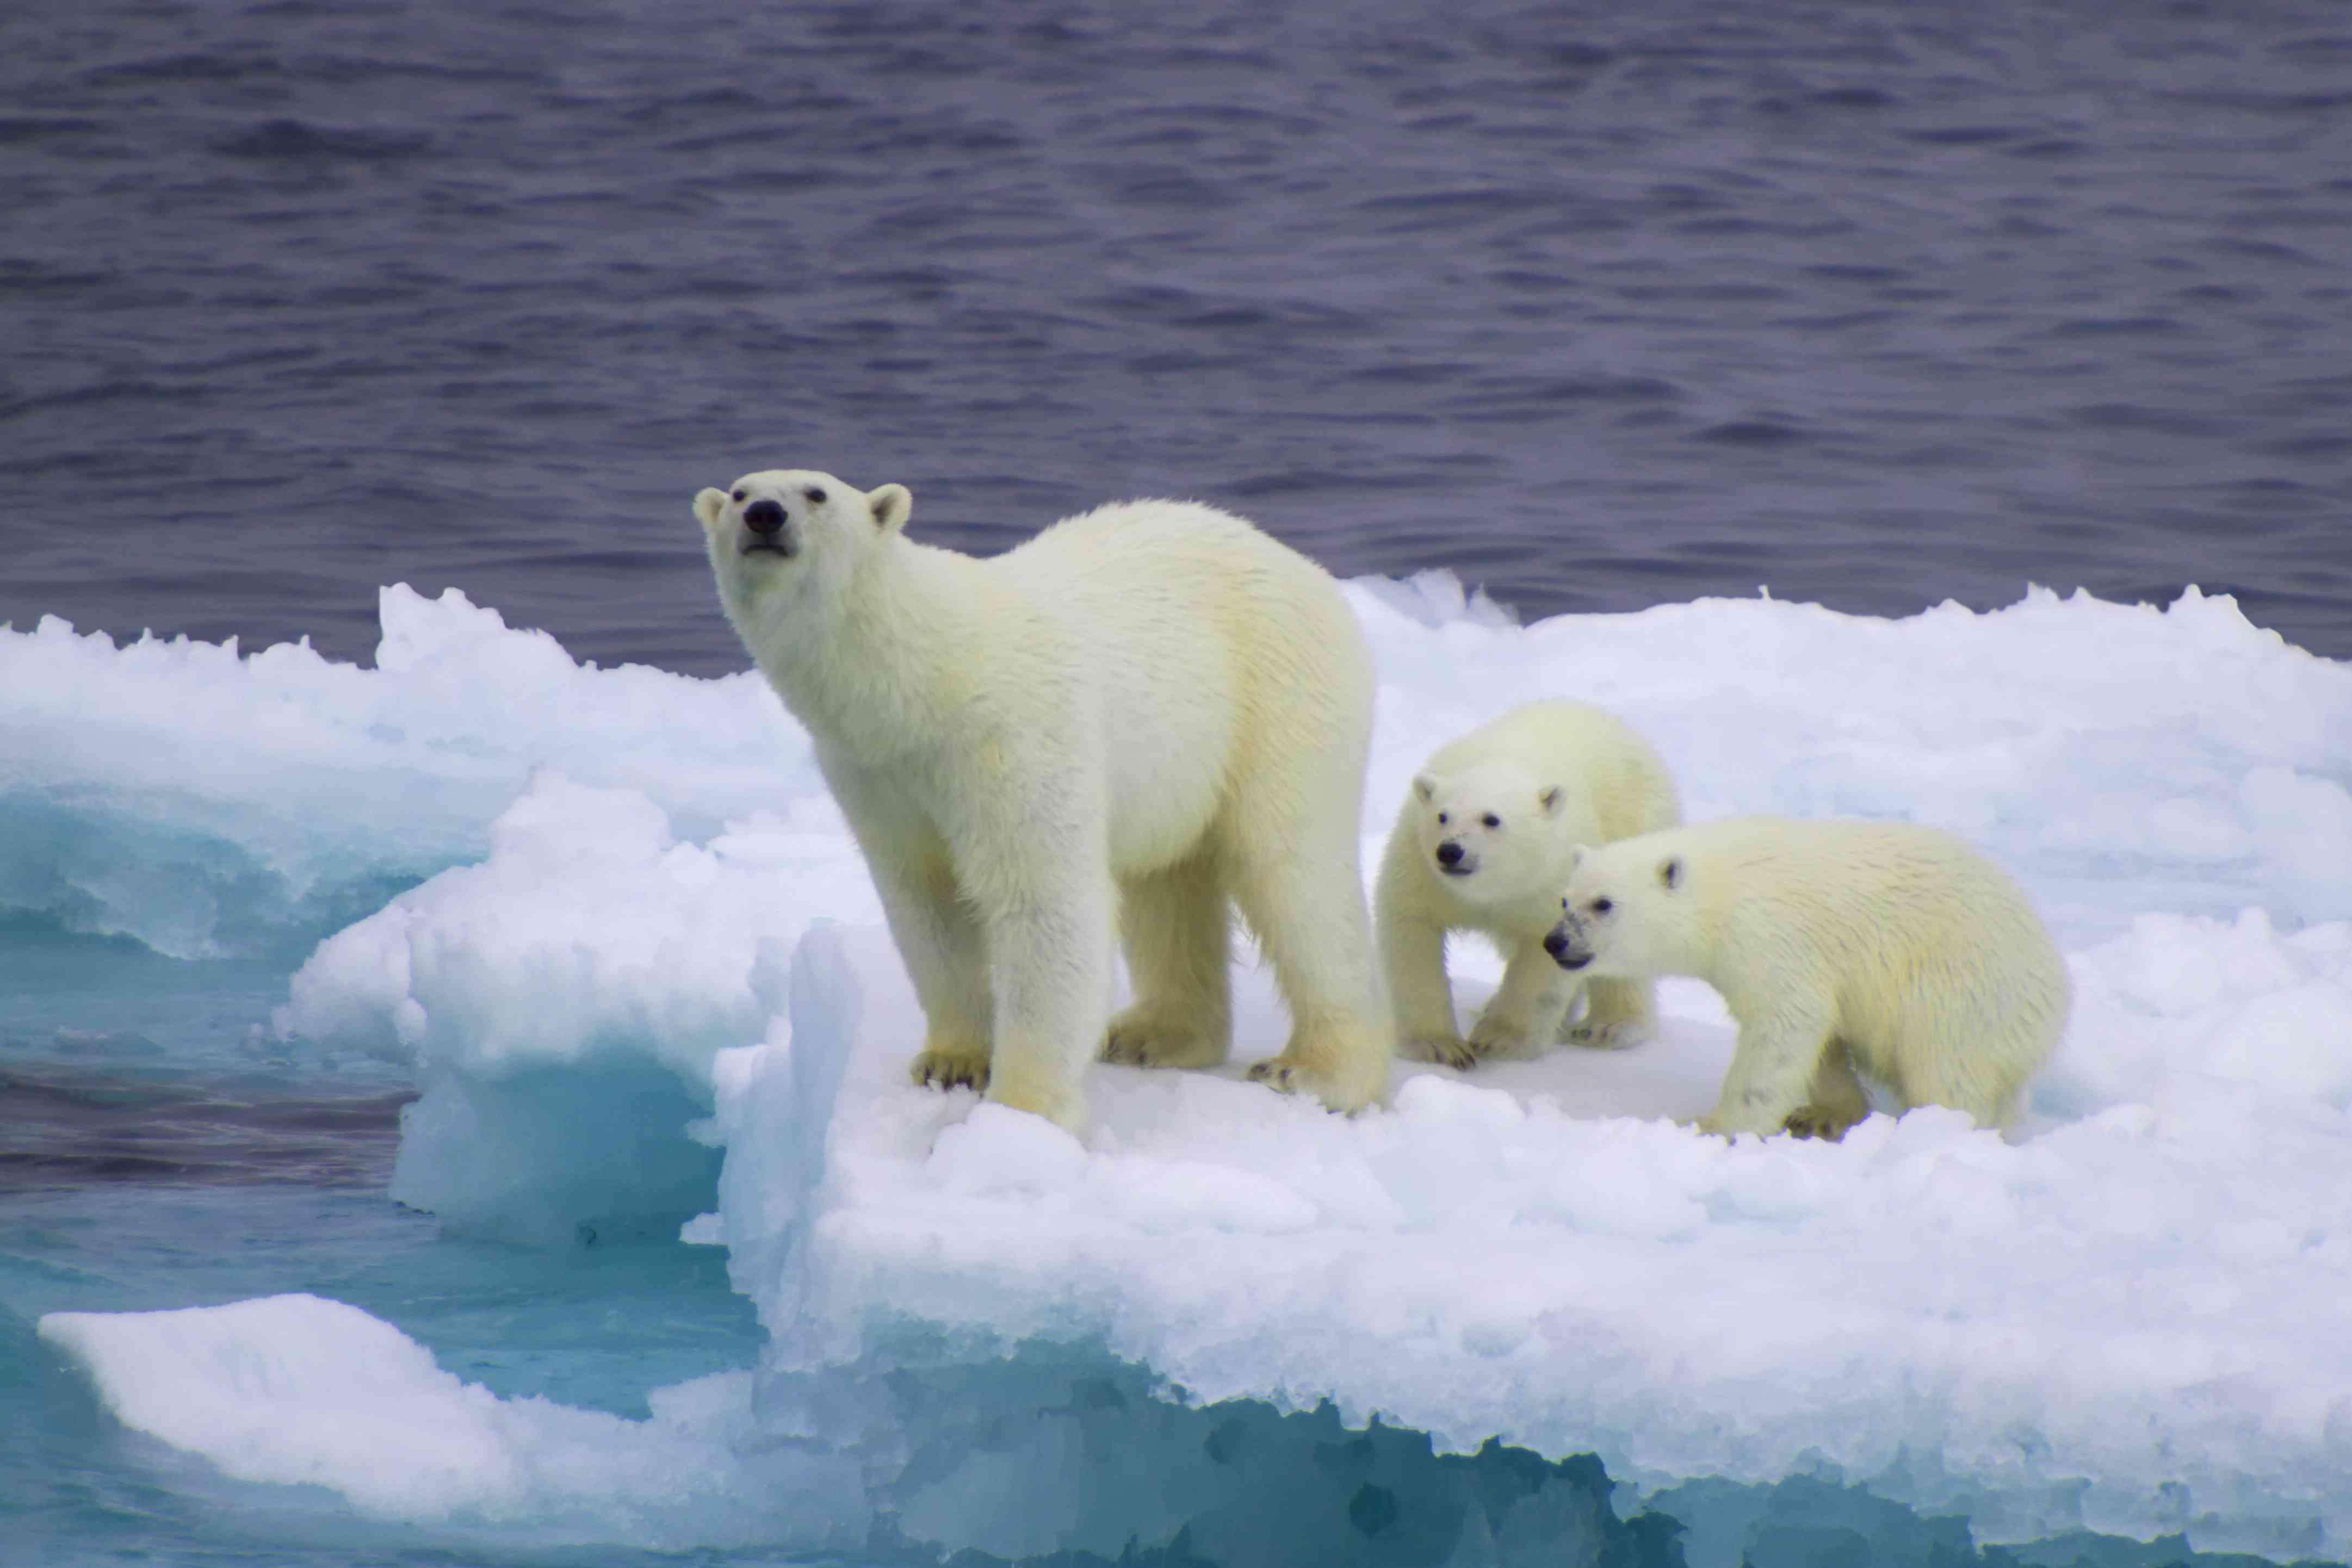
(1154, 696)
(1889, 947)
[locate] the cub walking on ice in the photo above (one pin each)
(1886, 948)
(1483, 843)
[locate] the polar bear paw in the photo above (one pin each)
(1493, 1036)
(1815, 1122)
(1445, 1049)
(1283, 1077)
(1140, 1037)
(1347, 1069)
(1617, 1034)
(950, 1067)
(1286, 1076)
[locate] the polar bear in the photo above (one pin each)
(1892, 949)
(1153, 703)
(1482, 843)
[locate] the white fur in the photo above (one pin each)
(1894, 949)
(1551, 775)
(1153, 703)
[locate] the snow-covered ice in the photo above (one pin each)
(643, 983)
(298, 1390)
(211, 803)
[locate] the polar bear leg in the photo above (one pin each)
(1617, 1013)
(1053, 969)
(1834, 1102)
(941, 945)
(1772, 1069)
(1299, 886)
(1176, 925)
(1525, 1014)
(1976, 1081)
(1421, 998)
(1046, 909)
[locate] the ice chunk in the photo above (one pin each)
(566, 1002)
(296, 1389)
(2072, 1331)
(2132, 1300)
(640, 941)
(208, 802)
(307, 1390)
(588, 934)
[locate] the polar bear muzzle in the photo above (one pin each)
(1567, 945)
(767, 530)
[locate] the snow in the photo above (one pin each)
(641, 978)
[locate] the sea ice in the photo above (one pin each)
(210, 803)
(298, 1390)
(2127, 1321)
(642, 976)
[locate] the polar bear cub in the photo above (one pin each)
(1153, 703)
(1483, 843)
(1895, 950)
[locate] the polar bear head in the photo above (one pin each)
(1488, 832)
(1630, 910)
(786, 540)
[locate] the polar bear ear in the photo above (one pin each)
(706, 504)
(891, 506)
(1424, 786)
(1551, 799)
(1670, 873)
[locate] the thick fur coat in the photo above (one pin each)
(1143, 716)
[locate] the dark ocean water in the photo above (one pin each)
(1600, 304)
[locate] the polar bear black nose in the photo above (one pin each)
(1555, 941)
(763, 517)
(1449, 854)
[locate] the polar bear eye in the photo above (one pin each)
(815, 495)
(739, 495)
(1602, 906)
(1491, 820)
(1443, 818)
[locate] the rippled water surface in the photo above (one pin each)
(1602, 305)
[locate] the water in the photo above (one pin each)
(1602, 305)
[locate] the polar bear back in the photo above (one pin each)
(1914, 932)
(1211, 653)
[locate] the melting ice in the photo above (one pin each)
(637, 969)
